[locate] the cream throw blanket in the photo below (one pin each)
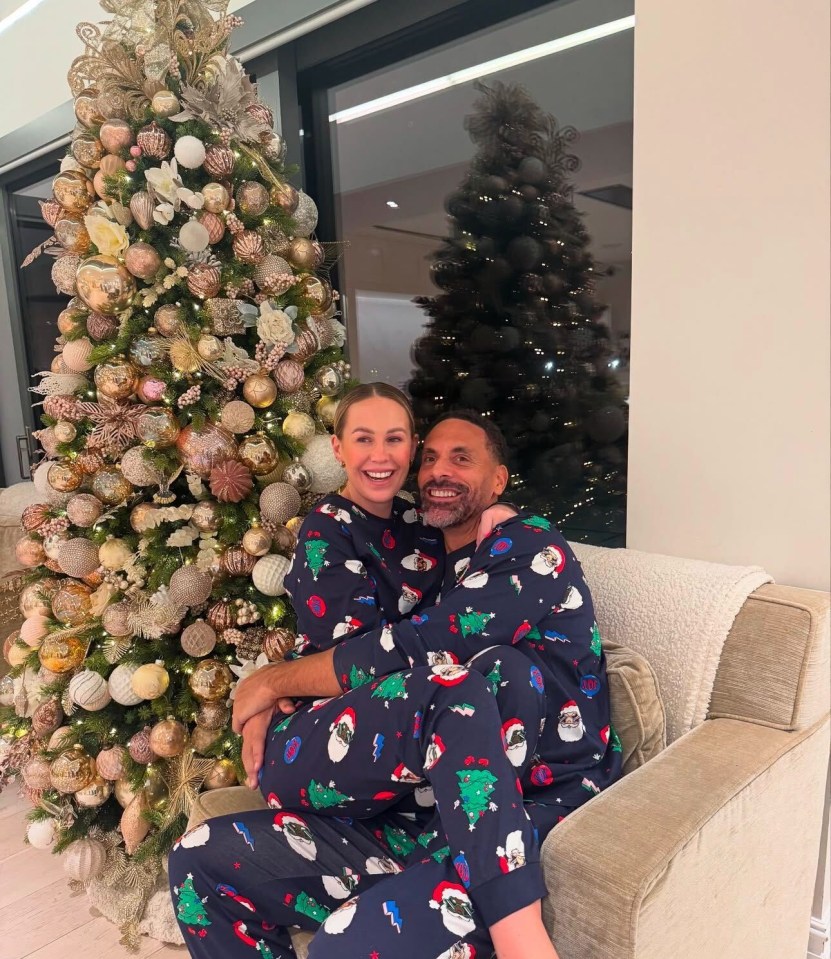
(675, 612)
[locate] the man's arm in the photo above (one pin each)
(520, 574)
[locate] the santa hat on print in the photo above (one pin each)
(419, 562)
(516, 742)
(297, 834)
(570, 723)
(403, 775)
(342, 733)
(434, 752)
(410, 597)
(456, 910)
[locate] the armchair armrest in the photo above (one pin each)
(709, 850)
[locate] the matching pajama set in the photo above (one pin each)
(406, 814)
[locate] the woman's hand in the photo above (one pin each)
(491, 518)
(260, 692)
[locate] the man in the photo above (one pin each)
(521, 588)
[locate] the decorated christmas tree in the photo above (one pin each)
(189, 907)
(196, 374)
(322, 797)
(515, 332)
(475, 786)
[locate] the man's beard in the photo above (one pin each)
(443, 517)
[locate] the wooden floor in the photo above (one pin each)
(39, 917)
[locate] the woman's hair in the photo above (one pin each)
(366, 391)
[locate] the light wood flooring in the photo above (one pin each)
(39, 917)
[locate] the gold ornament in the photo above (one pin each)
(76, 355)
(84, 509)
(210, 681)
(155, 788)
(326, 408)
(65, 273)
(154, 142)
(219, 161)
(237, 416)
(73, 191)
(158, 427)
(142, 206)
(124, 792)
(252, 198)
(237, 562)
(70, 320)
(270, 267)
(70, 605)
(72, 235)
(204, 280)
(186, 774)
(256, 541)
(140, 515)
(29, 552)
(87, 109)
(114, 554)
(168, 319)
(316, 290)
(134, 824)
(111, 763)
(72, 770)
(302, 254)
(138, 469)
(142, 260)
(116, 136)
(36, 598)
(111, 486)
(216, 196)
(95, 794)
(307, 341)
(165, 103)
(213, 715)
(206, 516)
(209, 348)
(203, 739)
(64, 477)
(221, 615)
(105, 284)
(299, 427)
(222, 774)
(78, 557)
(285, 196)
(47, 717)
(198, 639)
(225, 316)
(168, 738)
(99, 184)
(111, 164)
(298, 476)
(201, 450)
(190, 586)
(278, 642)
(36, 773)
(329, 381)
(279, 502)
(284, 540)
(116, 378)
(293, 525)
(248, 247)
(289, 376)
(65, 432)
(183, 356)
(150, 681)
(258, 453)
(84, 859)
(213, 224)
(260, 390)
(87, 150)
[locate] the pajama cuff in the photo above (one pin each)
(499, 897)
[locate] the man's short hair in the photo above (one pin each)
(494, 438)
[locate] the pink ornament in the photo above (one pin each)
(150, 389)
(130, 166)
(135, 151)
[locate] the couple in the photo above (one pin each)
(454, 735)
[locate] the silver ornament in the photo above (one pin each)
(329, 381)
(297, 476)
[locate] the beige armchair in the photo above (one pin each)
(709, 850)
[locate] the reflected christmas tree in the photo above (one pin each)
(516, 332)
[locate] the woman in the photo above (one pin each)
(364, 559)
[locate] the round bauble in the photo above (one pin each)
(305, 215)
(61, 654)
(168, 319)
(115, 554)
(205, 516)
(47, 717)
(87, 109)
(120, 684)
(237, 416)
(139, 747)
(15, 652)
(148, 350)
(284, 539)
(84, 859)
(216, 196)
(154, 142)
(316, 290)
(168, 738)
(70, 604)
(142, 517)
(95, 794)
(142, 260)
(200, 450)
(203, 739)
(111, 487)
(258, 453)
(190, 586)
(298, 476)
(65, 432)
(73, 190)
(269, 573)
(88, 690)
(72, 234)
(214, 224)
(36, 773)
(116, 136)
(83, 509)
(219, 161)
(252, 198)
(124, 792)
(150, 389)
(303, 254)
(289, 376)
(222, 774)
(231, 481)
(269, 271)
(210, 347)
(256, 541)
(116, 621)
(204, 280)
(111, 763)
(150, 681)
(198, 639)
(326, 408)
(60, 739)
(72, 770)
(299, 427)
(105, 284)
(248, 247)
(36, 598)
(101, 327)
(274, 148)
(156, 790)
(165, 103)
(212, 715)
(194, 236)
(71, 320)
(319, 459)
(285, 196)
(329, 381)
(78, 557)
(157, 427)
(76, 355)
(221, 615)
(279, 502)
(137, 469)
(116, 378)
(278, 642)
(259, 390)
(64, 477)
(29, 552)
(189, 152)
(210, 681)
(41, 833)
(64, 273)
(237, 562)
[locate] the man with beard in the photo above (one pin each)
(522, 583)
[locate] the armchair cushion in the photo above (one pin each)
(637, 710)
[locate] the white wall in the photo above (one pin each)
(729, 448)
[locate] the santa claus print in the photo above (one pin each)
(387, 640)
(460, 567)
(401, 774)
(570, 723)
(476, 580)
(197, 836)
(382, 866)
(441, 657)
(550, 561)
(355, 566)
(338, 921)
(424, 796)
(341, 887)
(450, 674)
(419, 562)
(338, 514)
(573, 599)
(459, 950)
(512, 854)
(434, 752)
(516, 741)
(456, 909)
(410, 597)
(342, 732)
(297, 834)
(349, 624)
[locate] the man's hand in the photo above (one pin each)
(491, 518)
(253, 745)
(257, 693)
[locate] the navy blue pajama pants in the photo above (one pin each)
(338, 774)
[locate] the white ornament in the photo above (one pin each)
(84, 859)
(88, 690)
(319, 460)
(194, 237)
(114, 554)
(120, 685)
(41, 834)
(268, 574)
(189, 152)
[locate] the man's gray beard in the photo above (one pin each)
(446, 518)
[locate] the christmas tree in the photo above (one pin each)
(472, 623)
(196, 374)
(322, 797)
(189, 907)
(393, 686)
(316, 555)
(475, 785)
(515, 332)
